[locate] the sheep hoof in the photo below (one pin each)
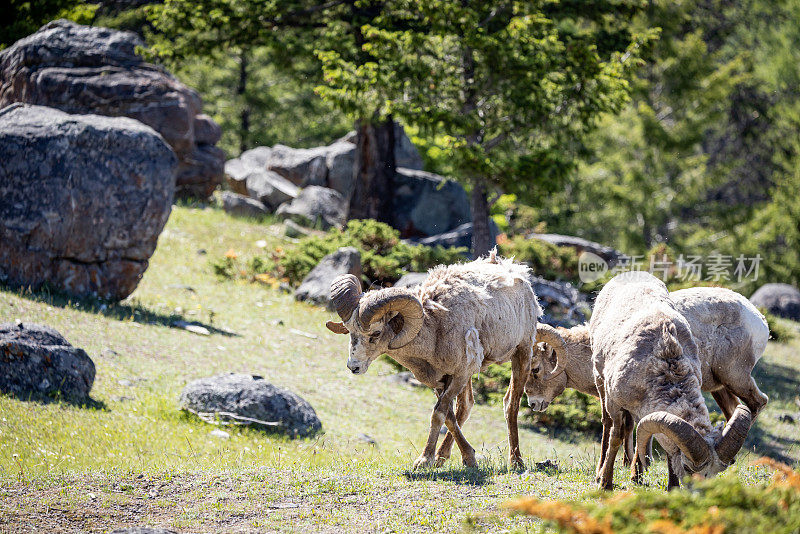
(440, 460)
(470, 461)
(424, 461)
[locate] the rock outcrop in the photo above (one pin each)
(83, 199)
(242, 206)
(316, 207)
(82, 69)
(36, 362)
(316, 286)
(782, 300)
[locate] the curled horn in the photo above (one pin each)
(393, 300)
(547, 334)
(688, 440)
(345, 294)
(734, 434)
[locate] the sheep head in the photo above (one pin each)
(699, 455)
(547, 378)
(540, 389)
(378, 321)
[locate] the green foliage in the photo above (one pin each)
(778, 331)
(21, 18)
(280, 106)
(384, 258)
(705, 156)
(571, 410)
(503, 93)
(546, 259)
(720, 504)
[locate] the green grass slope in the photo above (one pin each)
(134, 459)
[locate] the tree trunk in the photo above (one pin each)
(373, 171)
(481, 234)
(244, 115)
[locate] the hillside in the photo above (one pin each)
(135, 459)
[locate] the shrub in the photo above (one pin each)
(721, 504)
(544, 258)
(384, 258)
(778, 331)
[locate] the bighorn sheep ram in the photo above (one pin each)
(459, 321)
(646, 368)
(731, 335)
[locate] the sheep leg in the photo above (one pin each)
(747, 390)
(464, 403)
(467, 452)
(627, 436)
(726, 401)
(673, 479)
(614, 442)
(520, 369)
(453, 387)
(639, 465)
(606, 420)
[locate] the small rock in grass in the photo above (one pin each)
(125, 382)
(546, 465)
(36, 361)
(251, 400)
(786, 418)
(221, 434)
(367, 439)
(405, 378)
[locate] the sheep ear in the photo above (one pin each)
(337, 328)
(396, 323)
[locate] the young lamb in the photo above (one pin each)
(731, 334)
(646, 368)
(459, 321)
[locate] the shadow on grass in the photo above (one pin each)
(87, 404)
(122, 311)
(779, 382)
(470, 476)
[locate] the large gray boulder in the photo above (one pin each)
(82, 69)
(83, 199)
(37, 362)
(428, 204)
(460, 236)
(782, 300)
(301, 166)
(609, 254)
(340, 159)
(270, 188)
(562, 303)
(316, 285)
(411, 280)
(242, 206)
(253, 398)
(317, 207)
(329, 166)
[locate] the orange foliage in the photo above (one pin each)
(563, 514)
(784, 476)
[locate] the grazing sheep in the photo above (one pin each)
(460, 320)
(731, 334)
(646, 369)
